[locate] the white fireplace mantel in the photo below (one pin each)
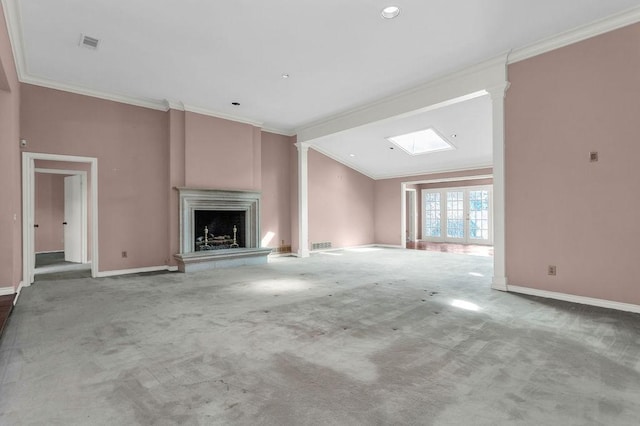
(193, 199)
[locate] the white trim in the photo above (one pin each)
(465, 84)
(113, 273)
(13, 20)
(433, 172)
(79, 90)
(392, 246)
(51, 251)
(217, 114)
(18, 292)
(602, 303)
(577, 34)
(6, 291)
(451, 179)
(303, 199)
(28, 201)
(60, 171)
(282, 132)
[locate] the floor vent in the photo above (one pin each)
(321, 246)
(281, 249)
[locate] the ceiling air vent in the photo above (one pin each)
(88, 42)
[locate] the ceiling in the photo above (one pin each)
(339, 55)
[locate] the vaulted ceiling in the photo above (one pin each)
(338, 55)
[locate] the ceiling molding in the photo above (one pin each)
(435, 171)
(217, 114)
(72, 88)
(576, 35)
(13, 20)
(281, 132)
(335, 158)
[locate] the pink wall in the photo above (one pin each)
(131, 146)
(276, 189)
(561, 208)
(388, 203)
(49, 212)
(221, 154)
(340, 203)
(10, 192)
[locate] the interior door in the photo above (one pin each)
(73, 218)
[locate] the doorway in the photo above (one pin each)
(60, 215)
(457, 215)
(82, 198)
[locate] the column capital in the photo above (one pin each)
(498, 91)
(303, 146)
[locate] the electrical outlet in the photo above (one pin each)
(124, 254)
(551, 270)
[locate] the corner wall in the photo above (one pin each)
(10, 192)
(561, 208)
(341, 203)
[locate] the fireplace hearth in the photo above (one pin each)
(219, 229)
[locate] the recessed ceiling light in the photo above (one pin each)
(390, 12)
(235, 103)
(454, 135)
(352, 155)
(285, 75)
(421, 142)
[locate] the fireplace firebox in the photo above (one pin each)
(219, 229)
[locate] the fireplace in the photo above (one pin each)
(219, 229)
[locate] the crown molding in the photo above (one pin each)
(281, 132)
(217, 114)
(436, 171)
(576, 35)
(12, 17)
(72, 88)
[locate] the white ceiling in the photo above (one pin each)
(340, 55)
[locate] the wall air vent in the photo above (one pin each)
(88, 42)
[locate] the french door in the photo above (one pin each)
(459, 215)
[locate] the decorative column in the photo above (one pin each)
(497, 94)
(303, 200)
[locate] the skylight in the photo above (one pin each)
(421, 142)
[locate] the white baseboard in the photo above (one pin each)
(364, 246)
(602, 303)
(103, 274)
(395, 246)
(52, 251)
(5, 291)
(499, 283)
(18, 291)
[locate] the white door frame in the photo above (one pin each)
(83, 178)
(28, 209)
(443, 214)
(403, 198)
(413, 217)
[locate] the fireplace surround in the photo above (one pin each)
(222, 211)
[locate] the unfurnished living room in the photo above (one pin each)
(319, 213)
